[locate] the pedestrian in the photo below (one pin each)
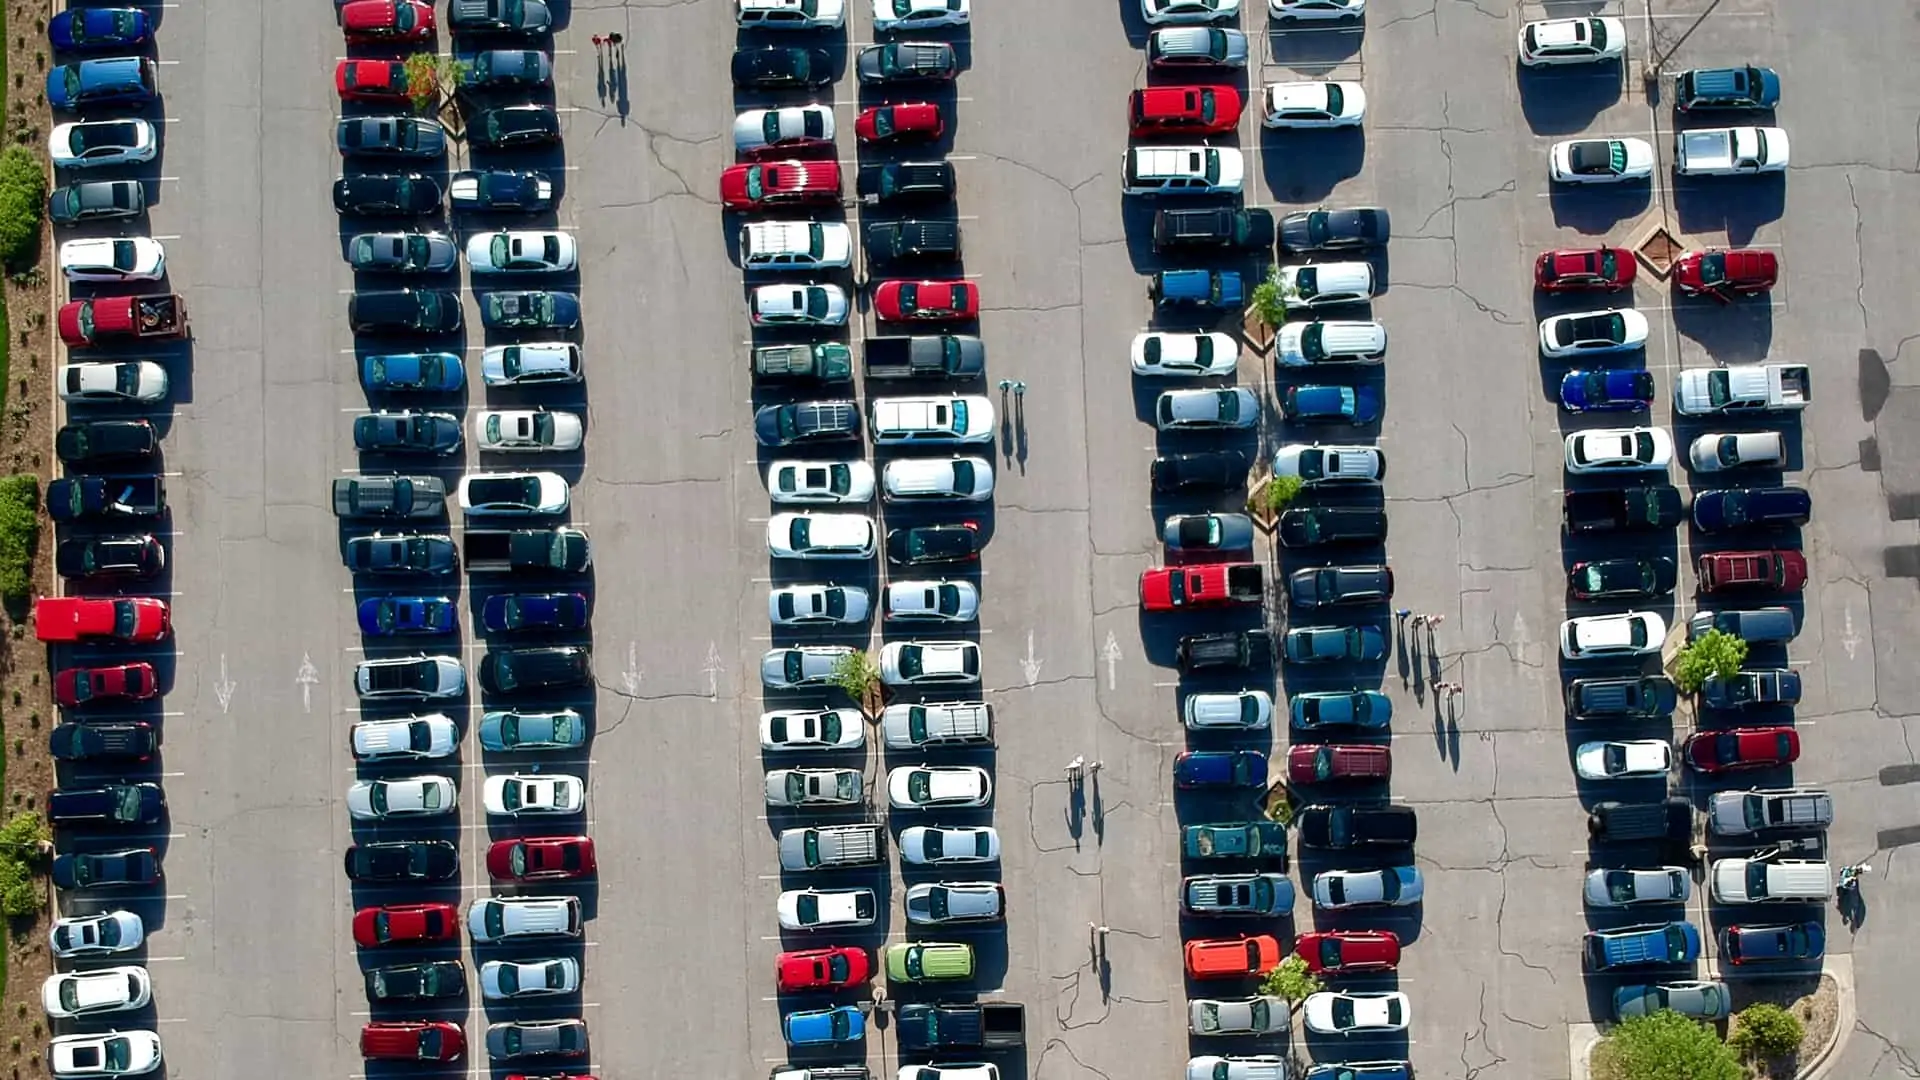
(1402, 613)
(1419, 621)
(1434, 620)
(1019, 389)
(616, 41)
(597, 42)
(1005, 385)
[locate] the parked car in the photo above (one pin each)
(395, 861)
(1318, 103)
(1339, 828)
(1599, 161)
(1264, 1015)
(1624, 888)
(1338, 952)
(113, 259)
(1601, 637)
(1741, 748)
(541, 858)
(912, 663)
(1324, 763)
(1393, 886)
(1696, 998)
(519, 191)
(781, 68)
(103, 934)
(1622, 579)
(812, 729)
(1197, 769)
(1366, 709)
(1354, 1012)
(1232, 958)
(513, 127)
(1772, 944)
(946, 903)
(1330, 644)
(412, 1040)
(1623, 759)
(1336, 229)
(1174, 48)
(1611, 390)
(1612, 450)
(1583, 40)
(512, 730)
(929, 845)
(1604, 269)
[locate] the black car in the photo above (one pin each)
(518, 191)
(96, 200)
(97, 441)
(1646, 509)
(1622, 579)
(435, 981)
(529, 309)
(907, 61)
(104, 742)
(1324, 586)
(925, 545)
(390, 136)
(109, 869)
(499, 17)
(75, 497)
(1335, 230)
(903, 241)
(402, 554)
(1229, 650)
(1751, 508)
(1212, 470)
(513, 127)
(1313, 526)
(109, 557)
(781, 68)
(107, 804)
(1642, 696)
(387, 194)
(522, 671)
(905, 182)
(1218, 228)
(403, 860)
(806, 422)
(405, 311)
(1339, 828)
(406, 432)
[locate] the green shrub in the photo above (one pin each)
(1765, 1031)
(23, 199)
(1664, 1046)
(1714, 653)
(855, 674)
(1292, 980)
(19, 535)
(1267, 301)
(23, 834)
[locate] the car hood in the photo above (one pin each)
(867, 66)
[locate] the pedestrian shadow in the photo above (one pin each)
(1097, 808)
(1076, 812)
(1446, 729)
(600, 74)
(622, 103)
(1020, 431)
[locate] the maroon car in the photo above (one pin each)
(1337, 952)
(541, 858)
(412, 1040)
(1604, 269)
(1741, 748)
(77, 686)
(926, 301)
(1724, 275)
(1330, 762)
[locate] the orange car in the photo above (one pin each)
(1232, 958)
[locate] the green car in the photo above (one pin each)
(928, 961)
(1699, 999)
(1238, 840)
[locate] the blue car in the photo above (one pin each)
(1366, 709)
(1751, 508)
(817, 1027)
(519, 612)
(100, 28)
(1327, 644)
(514, 731)
(391, 616)
(1767, 944)
(1331, 404)
(1362, 1070)
(1616, 390)
(1220, 769)
(432, 373)
(116, 80)
(1207, 290)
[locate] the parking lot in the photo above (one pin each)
(253, 961)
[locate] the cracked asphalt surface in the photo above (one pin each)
(682, 932)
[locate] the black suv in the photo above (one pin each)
(520, 671)
(1213, 227)
(805, 422)
(1338, 828)
(1212, 470)
(513, 127)
(105, 440)
(405, 311)
(109, 804)
(387, 195)
(1314, 526)
(1645, 697)
(900, 241)
(781, 68)
(907, 61)
(906, 181)
(1323, 586)
(403, 860)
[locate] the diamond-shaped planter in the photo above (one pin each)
(1658, 250)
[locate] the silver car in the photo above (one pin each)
(1264, 1015)
(941, 902)
(1208, 532)
(1199, 410)
(1619, 888)
(504, 980)
(815, 787)
(402, 253)
(935, 845)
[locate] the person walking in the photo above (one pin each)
(619, 42)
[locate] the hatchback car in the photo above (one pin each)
(1622, 579)
(1356, 405)
(532, 363)
(1608, 450)
(527, 430)
(1317, 104)
(1548, 42)
(1232, 958)
(1352, 1012)
(1602, 637)
(756, 131)
(382, 22)
(835, 968)
(947, 902)
(412, 373)
(378, 81)
(926, 301)
(1600, 161)
(118, 81)
(1393, 886)
(1232, 407)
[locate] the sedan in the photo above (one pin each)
(97, 200)
(402, 253)
(113, 259)
(1741, 748)
(531, 364)
(835, 968)
(1611, 390)
(393, 616)
(930, 601)
(1394, 886)
(102, 990)
(102, 142)
(892, 15)
(397, 861)
(823, 909)
(507, 731)
(798, 305)
(814, 787)
(781, 68)
(1623, 888)
(926, 301)
(812, 729)
(78, 686)
(1328, 644)
(944, 903)
(433, 981)
(1338, 952)
(541, 858)
(405, 924)
(1356, 405)
(1347, 1013)
(522, 251)
(1765, 944)
(412, 373)
(513, 127)
(1201, 769)
(1175, 354)
(1698, 999)
(520, 191)
(387, 195)
(1623, 759)
(1751, 508)
(1592, 332)
(939, 787)
(1607, 269)
(537, 1039)
(793, 127)
(1605, 450)
(115, 1053)
(1313, 104)
(907, 61)
(529, 309)
(1622, 579)
(511, 980)
(520, 613)
(780, 183)
(1366, 709)
(820, 481)
(923, 845)
(109, 382)
(1602, 637)
(818, 605)
(414, 796)
(1344, 229)
(108, 557)
(80, 29)
(390, 136)
(527, 430)
(547, 793)
(1195, 534)
(406, 432)
(382, 81)
(494, 69)
(1600, 161)
(899, 122)
(1245, 1016)
(513, 493)
(97, 935)
(916, 663)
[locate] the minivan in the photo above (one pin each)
(1756, 881)
(1331, 341)
(1757, 626)
(1182, 170)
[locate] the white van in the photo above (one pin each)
(1759, 881)
(1183, 170)
(1332, 341)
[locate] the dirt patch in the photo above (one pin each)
(1814, 1001)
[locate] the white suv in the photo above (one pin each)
(924, 479)
(1599, 637)
(820, 536)
(1319, 464)
(790, 14)
(961, 418)
(1325, 284)
(796, 245)
(1161, 12)
(502, 918)
(1572, 41)
(1183, 170)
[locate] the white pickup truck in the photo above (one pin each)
(1737, 151)
(1743, 388)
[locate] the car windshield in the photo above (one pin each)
(1339, 827)
(1336, 99)
(1343, 1012)
(816, 302)
(1613, 757)
(919, 785)
(1212, 168)
(1306, 282)
(757, 182)
(1713, 268)
(1323, 763)
(125, 617)
(911, 661)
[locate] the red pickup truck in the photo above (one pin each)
(1167, 588)
(88, 618)
(108, 318)
(1780, 570)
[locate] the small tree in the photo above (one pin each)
(1765, 1031)
(856, 675)
(23, 843)
(1664, 1046)
(1281, 491)
(1715, 653)
(429, 75)
(23, 199)
(1267, 300)
(1292, 980)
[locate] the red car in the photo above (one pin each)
(1724, 275)
(379, 22)
(541, 858)
(895, 123)
(77, 686)
(553, 1076)
(1232, 958)
(136, 619)
(1780, 569)
(822, 969)
(926, 301)
(1741, 748)
(371, 80)
(412, 1040)
(1183, 110)
(1336, 952)
(1585, 270)
(405, 924)
(1338, 761)
(780, 183)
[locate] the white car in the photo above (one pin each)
(1719, 451)
(795, 125)
(800, 665)
(972, 1070)
(943, 903)
(1587, 40)
(916, 663)
(938, 787)
(531, 363)
(818, 605)
(412, 796)
(1623, 759)
(1330, 341)
(823, 909)
(967, 479)
(112, 1053)
(449, 678)
(805, 246)
(959, 418)
(889, 15)
(503, 918)
(1238, 1016)
(1622, 888)
(1314, 104)
(1585, 333)
(807, 535)
(1317, 464)
(1237, 1067)
(534, 793)
(1240, 710)
(123, 258)
(482, 494)
(113, 381)
(937, 845)
(1325, 284)
(815, 787)
(1174, 354)
(790, 14)
(90, 144)
(1305, 10)
(1392, 886)
(798, 305)
(1600, 637)
(514, 431)
(930, 601)
(506, 980)
(1212, 409)
(433, 736)
(1336, 1013)
(1607, 450)
(96, 935)
(1163, 12)
(812, 729)
(104, 990)
(911, 726)
(522, 251)
(1599, 161)
(820, 482)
